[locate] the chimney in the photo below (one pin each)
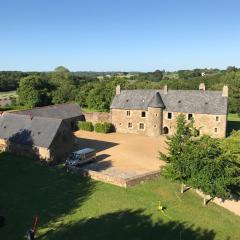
(165, 89)
(202, 87)
(225, 91)
(118, 89)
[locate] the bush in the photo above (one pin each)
(86, 126)
(103, 127)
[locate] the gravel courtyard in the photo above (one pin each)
(123, 155)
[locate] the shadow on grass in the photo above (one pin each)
(28, 189)
(232, 125)
(128, 225)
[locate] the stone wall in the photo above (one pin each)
(95, 117)
(213, 125)
(25, 150)
(120, 120)
(155, 121)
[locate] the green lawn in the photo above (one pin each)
(7, 95)
(233, 122)
(71, 207)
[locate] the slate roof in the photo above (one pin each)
(59, 111)
(23, 129)
(186, 101)
(156, 101)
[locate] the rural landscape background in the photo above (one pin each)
(79, 52)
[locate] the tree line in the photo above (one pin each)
(93, 92)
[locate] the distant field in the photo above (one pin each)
(233, 122)
(233, 117)
(7, 95)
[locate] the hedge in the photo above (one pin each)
(103, 127)
(86, 126)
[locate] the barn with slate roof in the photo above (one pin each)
(154, 112)
(45, 133)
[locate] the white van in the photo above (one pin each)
(81, 156)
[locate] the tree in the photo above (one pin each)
(61, 75)
(64, 93)
(178, 156)
(212, 168)
(34, 91)
(231, 69)
(201, 163)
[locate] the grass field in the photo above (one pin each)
(233, 122)
(71, 207)
(7, 95)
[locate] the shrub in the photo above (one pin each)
(86, 126)
(103, 127)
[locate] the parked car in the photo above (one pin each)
(80, 157)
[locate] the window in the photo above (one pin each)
(141, 126)
(215, 130)
(169, 115)
(129, 125)
(155, 126)
(156, 115)
(217, 118)
(143, 114)
(190, 116)
(128, 113)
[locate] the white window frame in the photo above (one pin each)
(171, 116)
(188, 116)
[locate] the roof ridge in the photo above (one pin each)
(48, 106)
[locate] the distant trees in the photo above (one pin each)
(201, 163)
(9, 80)
(34, 91)
(93, 92)
(64, 88)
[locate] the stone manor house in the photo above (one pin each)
(154, 112)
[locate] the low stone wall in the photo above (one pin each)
(118, 181)
(95, 117)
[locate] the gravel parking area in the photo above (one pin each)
(122, 155)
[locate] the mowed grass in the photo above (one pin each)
(71, 207)
(7, 95)
(233, 122)
(234, 117)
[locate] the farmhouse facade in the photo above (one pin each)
(44, 133)
(154, 112)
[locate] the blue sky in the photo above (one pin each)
(123, 35)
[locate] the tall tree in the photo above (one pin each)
(33, 91)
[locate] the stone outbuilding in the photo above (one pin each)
(44, 133)
(154, 112)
